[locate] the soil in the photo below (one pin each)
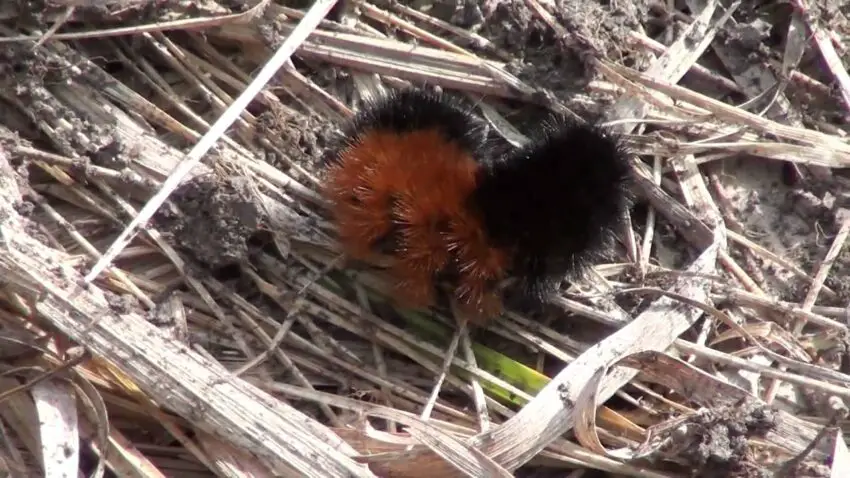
(295, 137)
(216, 218)
(795, 222)
(720, 446)
(543, 59)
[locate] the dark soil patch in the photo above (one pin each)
(542, 59)
(719, 447)
(290, 136)
(217, 217)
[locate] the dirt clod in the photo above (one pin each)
(720, 440)
(122, 303)
(294, 137)
(217, 216)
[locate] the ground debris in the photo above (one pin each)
(720, 440)
(217, 217)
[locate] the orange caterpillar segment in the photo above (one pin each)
(479, 266)
(408, 190)
(436, 193)
(362, 226)
(360, 188)
(412, 288)
(477, 260)
(479, 301)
